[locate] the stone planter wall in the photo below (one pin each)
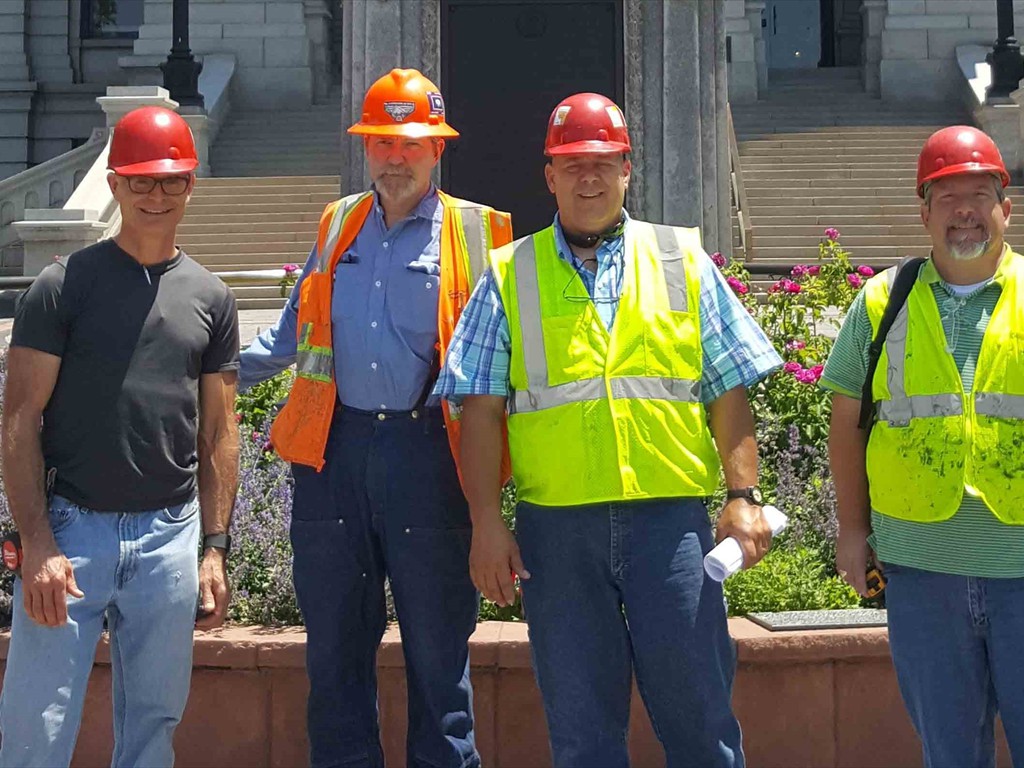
(825, 698)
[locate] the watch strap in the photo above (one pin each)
(218, 541)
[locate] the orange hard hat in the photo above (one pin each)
(955, 150)
(404, 103)
(586, 123)
(152, 140)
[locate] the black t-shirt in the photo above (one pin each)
(121, 425)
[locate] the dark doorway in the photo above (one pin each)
(505, 65)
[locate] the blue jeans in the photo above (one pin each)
(617, 589)
(140, 571)
(956, 644)
(387, 503)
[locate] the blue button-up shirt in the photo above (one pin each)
(736, 351)
(383, 313)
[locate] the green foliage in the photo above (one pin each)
(788, 580)
(255, 405)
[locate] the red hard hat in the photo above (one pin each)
(152, 140)
(955, 150)
(586, 123)
(404, 103)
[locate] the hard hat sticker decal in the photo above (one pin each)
(615, 116)
(399, 110)
(561, 113)
(436, 103)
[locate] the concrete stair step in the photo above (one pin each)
(257, 171)
(267, 181)
(863, 255)
(241, 251)
(218, 209)
(242, 236)
(791, 132)
(830, 209)
(242, 190)
(306, 217)
(819, 160)
(227, 225)
(852, 197)
(317, 198)
(769, 228)
(835, 178)
(848, 241)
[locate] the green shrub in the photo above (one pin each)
(788, 580)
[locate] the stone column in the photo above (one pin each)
(48, 41)
(742, 60)
(676, 94)
(318, 31)
(873, 13)
(16, 89)
(379, 35)
(755, 12)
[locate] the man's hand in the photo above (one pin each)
(47, 578)
(214, 591)
(494, 561)
(852, 557)
(744, 522)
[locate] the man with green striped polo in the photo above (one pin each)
(934, 489)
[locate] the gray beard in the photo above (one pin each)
(969, 251)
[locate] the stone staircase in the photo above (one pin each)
(817, 152)
(273, 174)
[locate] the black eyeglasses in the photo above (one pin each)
(171, 185)
(568, 297)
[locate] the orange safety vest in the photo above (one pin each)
(468, 232)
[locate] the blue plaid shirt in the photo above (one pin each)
(736, 351)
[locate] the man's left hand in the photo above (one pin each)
(744, 522)
(214, 591)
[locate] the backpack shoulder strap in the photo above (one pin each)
(903, 283)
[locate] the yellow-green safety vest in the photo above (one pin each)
(597, 416)
(931, 440)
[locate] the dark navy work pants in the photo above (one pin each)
(387, 503)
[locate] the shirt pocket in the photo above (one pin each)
(413, 299)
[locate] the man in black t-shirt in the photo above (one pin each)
(118, 439)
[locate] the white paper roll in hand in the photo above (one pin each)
(727, 558)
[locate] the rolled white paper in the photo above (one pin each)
(727, 558)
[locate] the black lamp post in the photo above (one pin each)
(1005, 60)
(181, 70)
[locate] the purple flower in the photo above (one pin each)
(290, 269)
(718, 259)
(790, 287)
(855, 280)
(799, 270)
(795, 345)
(832, 234)
(792, 367)
(738, 285)
(865, 270)
(813, 270)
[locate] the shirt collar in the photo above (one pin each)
(428, 208)
(929, 274)
(613, 246)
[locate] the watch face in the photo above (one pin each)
(755, 495)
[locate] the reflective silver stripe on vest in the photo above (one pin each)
(315, 364)
(899, 411)
(626, 387)
(475, 229)
(999, 406)
(671, 264)
(334, 230)
(528, 298)
(896, 347)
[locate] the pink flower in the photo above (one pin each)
(799, 270)
(855, 280)
(290, 268)
(817, 370)
(738, 285)
(807, 376)
(865, 270)
(256, 437)
(832, 234)
(718, 259)
(790, 287)
(795, 345)
(792, 367)
(268, 447)
(813, 270)
(775, 287)
(238, 418)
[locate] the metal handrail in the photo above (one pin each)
(240, 277)
(739, 192)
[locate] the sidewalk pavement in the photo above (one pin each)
(250, 323)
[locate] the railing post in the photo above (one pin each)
(1005, 60)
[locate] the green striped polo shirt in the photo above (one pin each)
(973, 542)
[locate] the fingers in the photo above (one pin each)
(50, 610)
(214, 599)
(71, 586)
(517, 564)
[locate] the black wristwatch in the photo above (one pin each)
(751, 493)
(218, 541)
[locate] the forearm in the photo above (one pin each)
(23, 470)
(732, 424)
(218, 478)
(847, 446)
(481, 451)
